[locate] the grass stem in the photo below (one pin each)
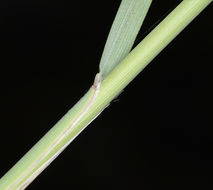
(45, 151)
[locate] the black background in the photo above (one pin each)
(156, 135)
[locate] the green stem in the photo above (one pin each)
(44, 152)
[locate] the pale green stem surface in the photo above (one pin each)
(117, 80)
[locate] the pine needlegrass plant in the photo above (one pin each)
(118, 67)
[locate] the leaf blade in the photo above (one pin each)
(125, 27)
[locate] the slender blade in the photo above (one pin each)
(126, 25)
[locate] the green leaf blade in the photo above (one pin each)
(127, 23)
